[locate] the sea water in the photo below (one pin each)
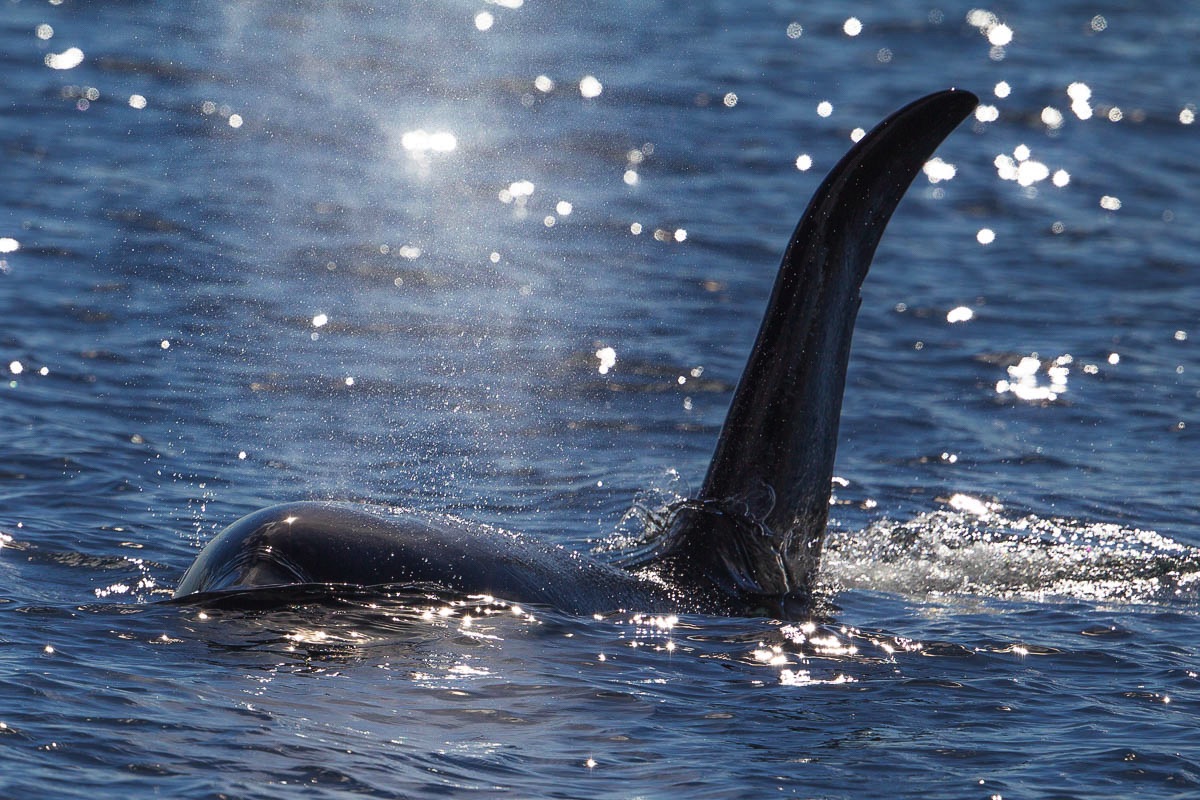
(505, 260)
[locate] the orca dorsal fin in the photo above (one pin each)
(759, 521)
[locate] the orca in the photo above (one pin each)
(748, 544)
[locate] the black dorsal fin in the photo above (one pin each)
(764, 505)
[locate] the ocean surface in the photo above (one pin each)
(506, 260)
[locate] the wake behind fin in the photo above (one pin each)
(759, 522)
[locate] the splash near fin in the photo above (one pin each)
(758, 524)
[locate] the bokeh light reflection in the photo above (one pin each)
(590, 87)
(1023, 379)
(608, 359)
(937, 170)
(420, 141)
(68, 59)
(987, 113)
(960, 314)
(1080, 94)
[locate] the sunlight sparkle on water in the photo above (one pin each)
(937, 170)
(1021, 167)
(9, 245)
(517, 192)
(824, 108)
(852, 27)
(664, 235)
(985, 236)
(1031, 172)
(804, 162)
(772, 656)
(803, 677)
(998, 34)
(589, 87)
(1080, 94)
(1002, 90)
(70, 58)
(44, 31)
(960, 314)
(986, 113)
(971, 505)
(1022, 381)
(421, 141)
(484, 20)
(1110, 203)
(467, 671)
(608, 359)
(543, 84)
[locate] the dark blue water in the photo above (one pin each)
(235, 273)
